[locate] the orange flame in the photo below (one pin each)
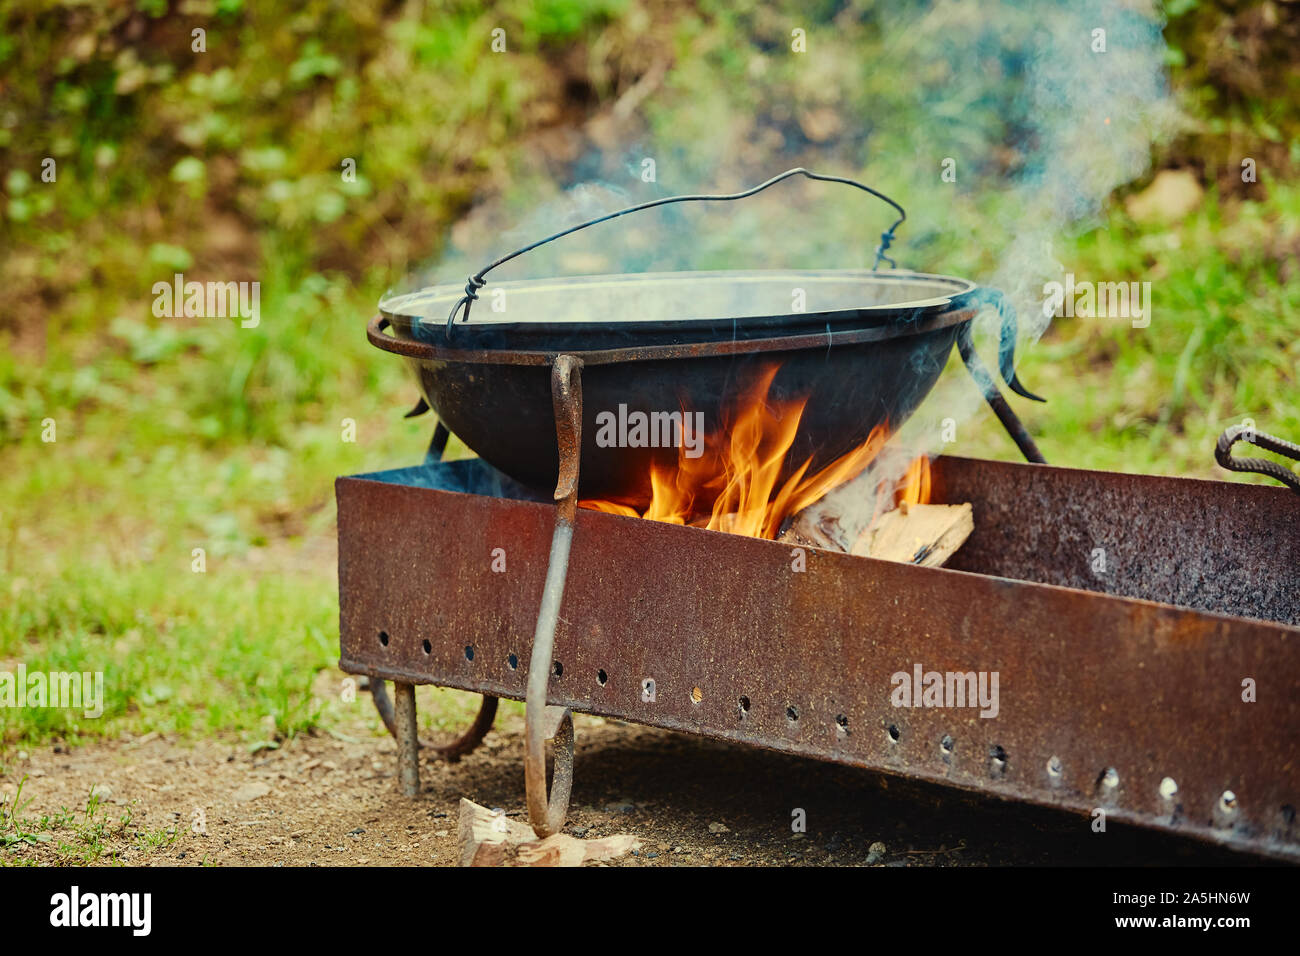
(740, 469)
(914, 487)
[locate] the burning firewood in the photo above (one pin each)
(836, 520)
(859, 517)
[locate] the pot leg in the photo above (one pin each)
(984, 381)
(383, 704)
(472, 737)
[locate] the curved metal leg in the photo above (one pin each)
(542, 722)
(451, 752)
(383, 704)
(550, 810)
(984, 381)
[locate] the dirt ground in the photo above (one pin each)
(332, 800)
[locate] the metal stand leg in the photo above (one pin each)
(408, 748)
(379, 693)
(450, 752)
(543, 722)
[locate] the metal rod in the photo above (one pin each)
(383, 704)
(438, 444)
(547, 813)
(452, 751)
(487, 713)
(408, 752)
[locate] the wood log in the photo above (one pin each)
(484, 835)
(490, 838)
(859, 517)
(917, 534)
(837, 519)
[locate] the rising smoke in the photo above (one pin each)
(1039, 110)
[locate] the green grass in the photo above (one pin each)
(72, 837)
(178, 437)
(180, 652)
(1223, 344)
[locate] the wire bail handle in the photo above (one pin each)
(478, 280)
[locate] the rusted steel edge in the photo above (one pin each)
(787, 343)
(1203, 543)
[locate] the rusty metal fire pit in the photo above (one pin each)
(1123, 688)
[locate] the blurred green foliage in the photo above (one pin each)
(228, 164)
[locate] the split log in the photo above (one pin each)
(836, 520)
(927, 535)
(489, 838)
(859, 517)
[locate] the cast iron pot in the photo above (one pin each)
(865, 352)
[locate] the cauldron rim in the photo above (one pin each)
(418, 313)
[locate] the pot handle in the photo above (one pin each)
(477, 281)
(1259, 466)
